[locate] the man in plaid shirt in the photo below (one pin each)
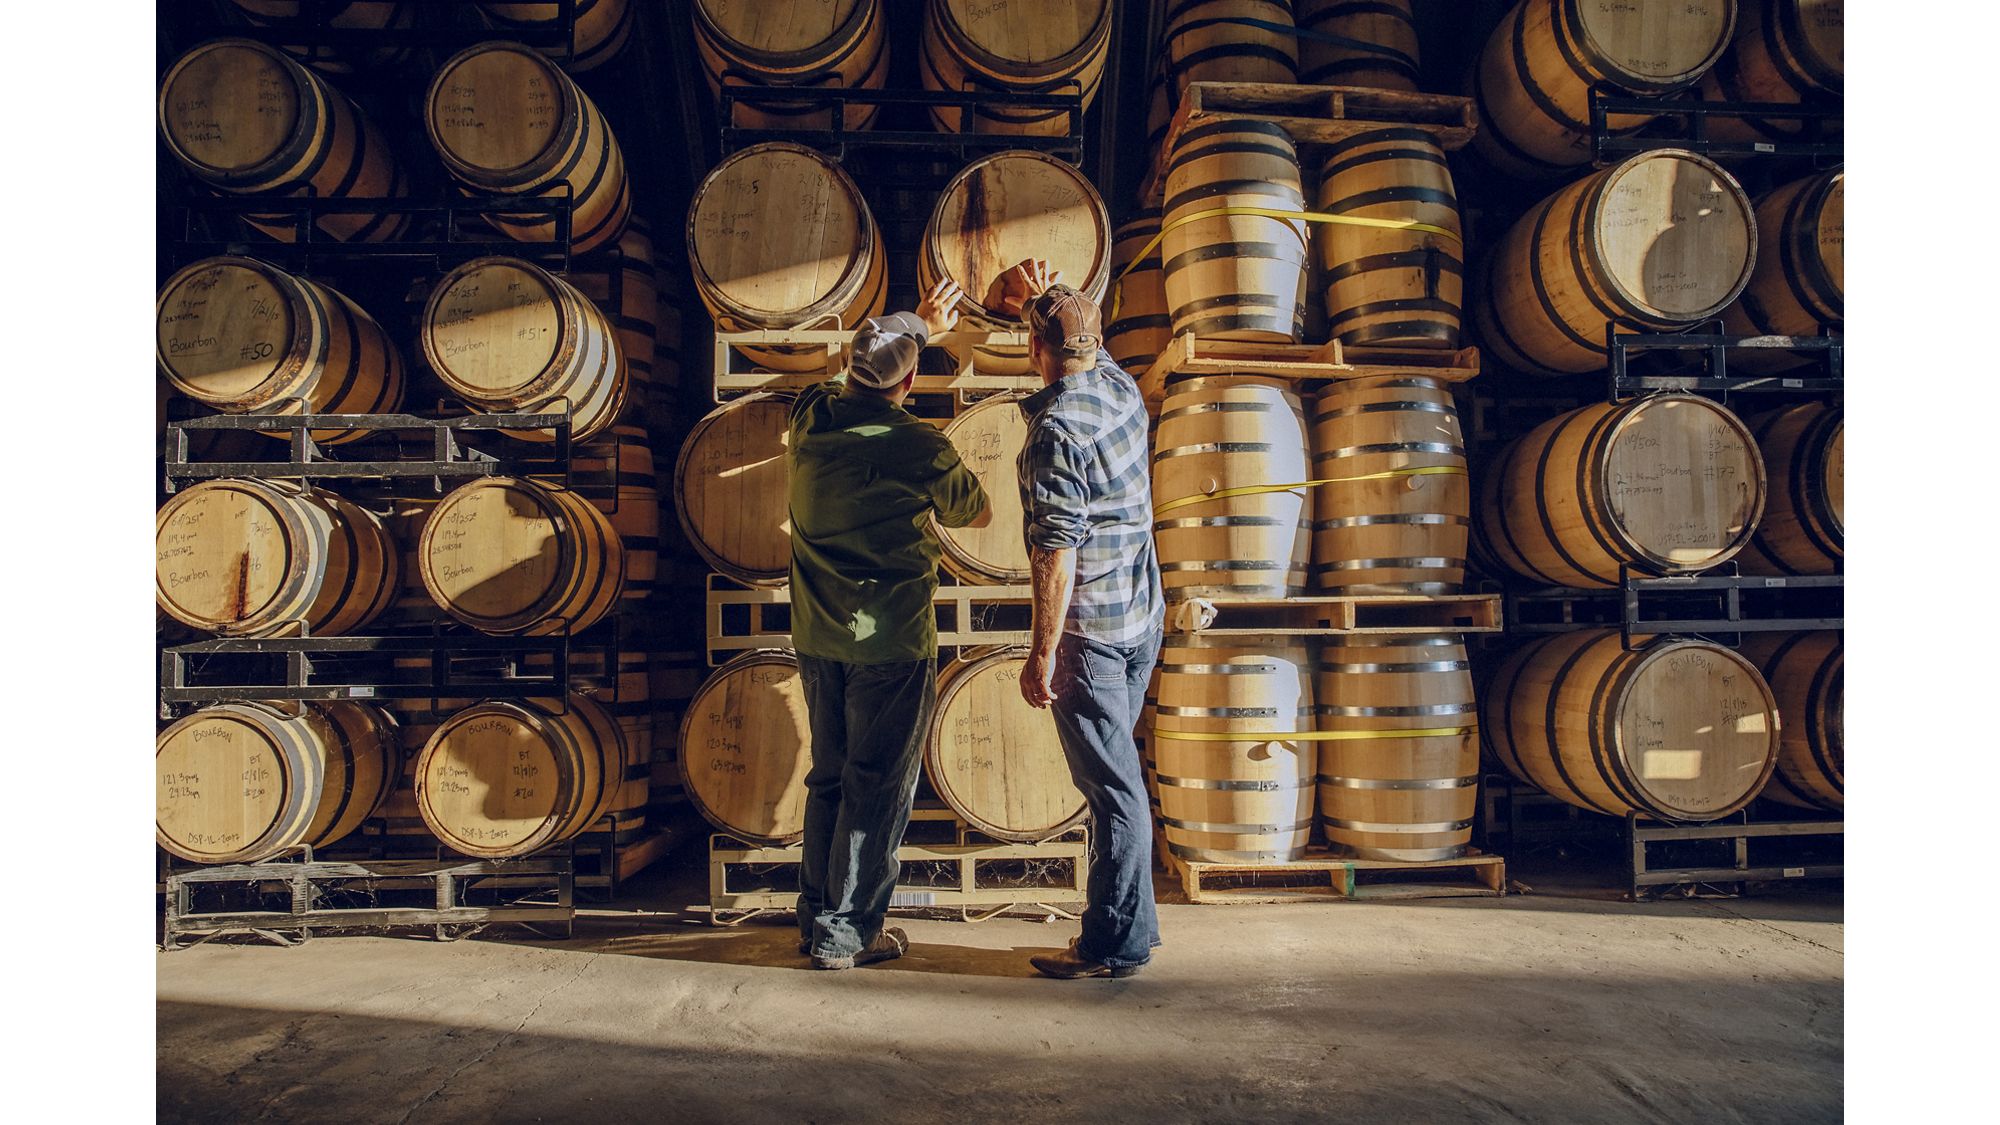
(1086, 491)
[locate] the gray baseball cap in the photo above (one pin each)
(886, 348)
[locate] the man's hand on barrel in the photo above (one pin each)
(939, 308)
(1020, 283)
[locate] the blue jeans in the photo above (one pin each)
(1099, 691)
(869, 722)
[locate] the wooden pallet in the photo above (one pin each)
(1188, 354)
(1322, 876)
(945, 365)
(740, 617)
(1376, 614)
(1313, 115)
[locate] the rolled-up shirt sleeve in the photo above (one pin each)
(1057, 499)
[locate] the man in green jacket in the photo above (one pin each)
(866, 478)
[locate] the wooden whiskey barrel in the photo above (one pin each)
(1533, 80)
(359, 15)
(623, 692)
(1004, 208)
(1387, 28)
(506, 120)
(1798, 283)
(779, 237)
(508, 555)
(504, 335)
(502, 779)
(1668, 484)
(616, 473)
(1233, 787)
(746, 744)
(988, 436)
(602, 28)
(1235, 276)
(732, 489)
(1217, 434)
(1141, 328)
(1400, 534)
(1678, 730)
(1211, 41)
(245, 119)
(751, 43)
(257, 558)
(1395, 288)
(245, 782)
(1656, 243)
(1803, 529)
(1402, 780)
(1785, 51)
(624, 285)
(1032, 47)
(995, 760)
(245, 337)
(1807, 674)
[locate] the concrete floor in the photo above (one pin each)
(1549, 1007)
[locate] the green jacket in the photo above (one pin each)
(865, 477)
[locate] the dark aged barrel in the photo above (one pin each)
(508, 555)
(245, 337)
(1785, 51)
(1213, 41)
(1669, 484)
(732, 489)
(1396, 517)
(506, 120)
(360, 15)
(1019, 46)
(1141, 328)
(1807, 674)
(1387, 26)
(1533, 80)
(745, 748)
(1235, 276)
(1396, 288)
(502, 779)
(828, 43)
(1656, 243)
(1797, 287)
(617, 472)
(1803, 530)
(1678, 730)
(602, 27)
(624, 284)
(256, 558)
(244, 118)
(995, 760)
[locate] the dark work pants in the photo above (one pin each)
(1099, 692)
(868, 727)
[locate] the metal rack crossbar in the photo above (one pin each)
(1711, 350)
(1692, 118)
(835, 100)
(1740, 834)
(451, 457)
(313, 29)
(441, 232)
(1707, 605)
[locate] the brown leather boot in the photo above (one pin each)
(1071, 965)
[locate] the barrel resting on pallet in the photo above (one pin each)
(1188, 354)
(1322, 875)
(1359, 614)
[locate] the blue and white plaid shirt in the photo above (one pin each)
(1085, 477)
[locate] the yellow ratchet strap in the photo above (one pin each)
(1260, 489)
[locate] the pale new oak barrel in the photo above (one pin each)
(746, 745)
(1394, 288)
(1207, 43)
(1234, 788)
(505, 120)
(1679, 730)
(1798, 285)
(502, 779)
(1656, 243)
(1017, 46)
(360, 15)
(244, 782)
(1386, 25)
(812, 44)
(1002, 209)
(242, 117)
(602, 27)
(732, 489)
(1533, 80)
(1784, 51)
(778, 236)
(508, 555)
(505, 335)
(1807, 674)
(1217, 434)
(622, 460)
(1402, 781)
(1804, 528)
(1141, 327)
(1389, 534)
(1235, 276)
(995, 760)
(1669, 484)
(624, 285)
(245, 337)
(988, 436)
(256, 558)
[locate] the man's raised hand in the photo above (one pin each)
(939, 308)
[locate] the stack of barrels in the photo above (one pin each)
(530, 556)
